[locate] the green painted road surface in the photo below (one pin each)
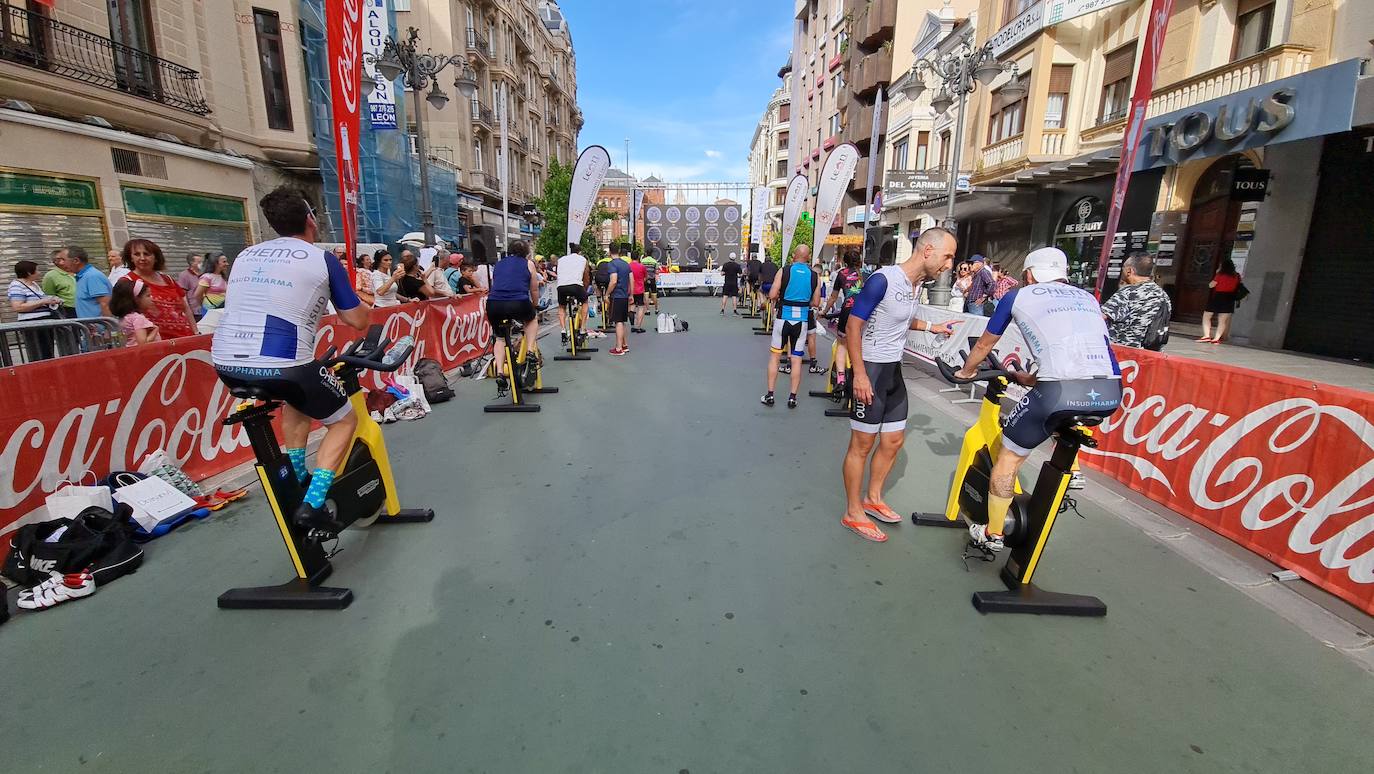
(649, 576)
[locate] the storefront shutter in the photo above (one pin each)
(1119, 64)
(33, 236)
(178, 240)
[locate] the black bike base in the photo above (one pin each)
(936, 520)
(541, 391)
(573, 357)
(510, 408)
(837, 412)
(751, 316)
(758, 332)
(296, 594)
(408, 516)
(1034, 600)
(820, 393)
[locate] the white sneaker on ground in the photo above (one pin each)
(979, 536)
(1076, 479)
(56, 590)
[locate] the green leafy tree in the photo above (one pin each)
(553, 206)
(805, 232)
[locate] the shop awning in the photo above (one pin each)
(983, 200)
(845, 239)
(1084, 167)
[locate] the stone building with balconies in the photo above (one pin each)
(770, 151)
(167, 121)
(522, 51)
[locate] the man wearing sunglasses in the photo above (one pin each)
(278, 291)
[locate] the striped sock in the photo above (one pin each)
(297, 457)
(320, 480)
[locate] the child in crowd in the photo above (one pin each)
(129, 301)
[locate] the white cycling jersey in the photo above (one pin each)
(1064, 329)
(570, 269)
(888, 302)
(278, 290)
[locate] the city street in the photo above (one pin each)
(649, 575)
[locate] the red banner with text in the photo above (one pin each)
(106, 411)
(344, 27)
(1282, 466)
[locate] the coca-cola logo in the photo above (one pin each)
(1260, 471)
(346, 68)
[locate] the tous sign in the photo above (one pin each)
(1230, 124)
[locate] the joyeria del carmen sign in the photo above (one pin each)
(1282, 466)
(105, 411)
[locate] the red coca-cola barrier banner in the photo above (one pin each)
(106, 411)
(1282, 466)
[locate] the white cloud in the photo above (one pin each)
(713, 154)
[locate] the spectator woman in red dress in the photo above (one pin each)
(170, 312)
(1221, 303)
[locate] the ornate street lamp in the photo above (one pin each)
(958, 74)
(404, 59)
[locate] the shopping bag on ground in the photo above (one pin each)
(70, 499)
(154, 501)
(161, 464)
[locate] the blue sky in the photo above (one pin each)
(685, 80)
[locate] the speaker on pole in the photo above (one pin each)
(880, 245)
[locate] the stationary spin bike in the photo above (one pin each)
(837, 391)
(577, 338)
(766, 316)
(1031, 516)
(363, 491)
(523, 375)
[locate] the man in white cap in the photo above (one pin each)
(1076, 372)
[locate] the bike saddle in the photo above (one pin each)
(1070, 427)
(252, 392)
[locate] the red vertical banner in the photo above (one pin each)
(344, 26)
(1135, 126)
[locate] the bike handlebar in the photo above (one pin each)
(986, 373)
(370, 353)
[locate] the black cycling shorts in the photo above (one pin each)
(842, 322)
(887, 412)
(650, 286)
(567, 293)
(731, 289)
(639, 299)
(1049, 405)
(312, 388)
(620, 310)
(499, 312)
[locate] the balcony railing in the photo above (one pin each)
(481, 114)
(491, 181)
(1007, 150)
(1268, 65)
(551, 119)
(32, 39)
(1052, 142)
(479, 45)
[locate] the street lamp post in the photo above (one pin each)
(959, 72)
(403, 59)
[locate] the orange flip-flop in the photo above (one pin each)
(864, 529)
(231, 495)
(881, 512)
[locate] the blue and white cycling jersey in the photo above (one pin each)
(278, 290)
(1064, 329)
(888, 304)
(798, 285)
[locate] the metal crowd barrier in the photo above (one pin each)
(35, 340)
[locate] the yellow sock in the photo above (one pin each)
(997, 513)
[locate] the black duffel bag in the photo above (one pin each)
(94, 534)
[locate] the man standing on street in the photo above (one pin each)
(618, 294)
(638, 275)
(730, 292)
(60, 283)
(752, 270)
(980, 289)
(92, 286)
(1136, 304)
(878, 323)
(797, 293)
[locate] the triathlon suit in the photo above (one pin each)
(849, 282)
(1076, 371)
(794, 302)
(571, 269)
(278, 290)
(620, 297)
(509, 297)
(730, 271)
(887, 304)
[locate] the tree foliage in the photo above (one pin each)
(805, 232)
(553, 206)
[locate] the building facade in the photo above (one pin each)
(522, 51)
(616, 196)
(770, 151)
(120, 119)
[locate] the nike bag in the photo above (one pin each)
(432, 380)
(63, 546)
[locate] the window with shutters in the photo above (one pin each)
(781, 171)
(1008, 115)
(1116, 84)
(272, 63)
(783, 137)
(1254, 23)
(477, 155)
(1057, 101)
(944, 149)
(899, 153)
(784, 112)
(922, 149)
(779, 196)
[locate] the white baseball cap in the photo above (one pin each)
(1048, 264)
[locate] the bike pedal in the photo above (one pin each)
(974, 551)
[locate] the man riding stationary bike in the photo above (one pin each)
(278, 290)
(574, 275)
(1076, 373)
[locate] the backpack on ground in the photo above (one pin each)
(679, 325)
(1157, 332)
(433, 381)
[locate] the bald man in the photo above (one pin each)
(797, 291)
